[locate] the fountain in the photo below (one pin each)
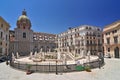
(36, 58)
(50, 62)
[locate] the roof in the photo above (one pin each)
(23, 17)
(112, 24)
(5, 21)
(111, 27)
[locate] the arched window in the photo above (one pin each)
(24, 35)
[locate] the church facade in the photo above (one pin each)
(24, 40)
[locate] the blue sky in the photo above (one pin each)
(55, 16)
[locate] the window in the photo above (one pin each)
(75, 30)
(89, 27)
(1, 34)
(2, 25)
(6, 29)
(6, 44)
(115, 39)
(108, 49)
(78, 34)
(0, 43)
(87, 42)
(87, 33)
(108, 33)
(115, 31)
(99, 35)
(90, 42)
(93, 33)
(86, 27)
(24, 27)
(98, 29)
(6, 37)
(24, 35)
(75, 35)
(82, 43)
(108, 40)
(0, 50)
(98, 41)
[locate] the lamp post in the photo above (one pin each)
(56, 68)
(7, 59)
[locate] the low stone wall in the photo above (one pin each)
(54, 68)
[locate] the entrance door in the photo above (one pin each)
(116, 52)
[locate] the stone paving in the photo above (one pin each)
(111, 71)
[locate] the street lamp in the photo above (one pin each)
(56, 68)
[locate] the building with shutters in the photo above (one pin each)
(80, 40)
(111, 36)
(4, 37)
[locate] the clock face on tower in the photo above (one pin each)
(23, 21)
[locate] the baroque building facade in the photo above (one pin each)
(111, 36)
(81, 40)
(24, 40)
(44, 41)
(4, 37)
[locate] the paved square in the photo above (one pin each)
(108, 72)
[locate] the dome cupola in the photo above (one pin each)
(23, 21)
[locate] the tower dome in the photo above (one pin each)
(23, 21)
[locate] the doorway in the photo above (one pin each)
(116, 52)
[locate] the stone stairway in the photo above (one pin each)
(70, 55)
